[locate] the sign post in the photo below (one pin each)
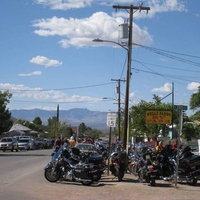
(111, 122)
(180, 108)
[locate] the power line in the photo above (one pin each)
(71, 88)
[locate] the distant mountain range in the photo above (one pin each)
(73, 117)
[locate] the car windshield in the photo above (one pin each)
(6, 140)
(85, 147)
(23, 141)
(39, 139)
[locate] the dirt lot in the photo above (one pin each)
(130, 188)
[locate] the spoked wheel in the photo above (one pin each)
(152, 181)
(50, 176)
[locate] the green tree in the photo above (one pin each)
(58, 128)
(138, 125)
(37, 121)
(82, 128)
(188, 131)
(195, 100)
(5, 115)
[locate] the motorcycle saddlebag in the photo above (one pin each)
(95, 158)
(194, 160)
(80, 172)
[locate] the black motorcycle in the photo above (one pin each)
(70, 165)
(141, 164)
(189, 166)
(165, 165)
(118, 165)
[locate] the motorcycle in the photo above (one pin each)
(165, 165)
(141, 164)
(118, 166)
(70, 166)
(189, 166)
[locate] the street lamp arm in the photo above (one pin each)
(109, 98)
(110, 41)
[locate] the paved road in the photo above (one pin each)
(21, 178)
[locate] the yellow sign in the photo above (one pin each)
(158, 117)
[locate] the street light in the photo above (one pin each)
(119, 113)
(110, 41)
(126, 108)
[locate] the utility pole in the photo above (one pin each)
(126, 109)
(119, 104)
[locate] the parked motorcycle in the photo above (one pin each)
(70, 166)
(119, 161)
(141, 164)
(165, 165)
(189, 166)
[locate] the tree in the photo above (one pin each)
(82, 128)
(195, 100)
(5, 115)
(37, 121)
(188, 131)
(138, 126)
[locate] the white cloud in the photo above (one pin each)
(156, 6)
(193, 86)
(22, 92)
(35, 73)
(41, 60)
(80, 32)
(166, 88)
(64, 4)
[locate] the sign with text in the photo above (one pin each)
(158, 117)
(180, 107)
(111, 119)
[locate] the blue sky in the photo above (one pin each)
(47, 56)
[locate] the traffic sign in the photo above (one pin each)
(111, 119)
(180, 107)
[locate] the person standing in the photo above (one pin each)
(72, 142)
(175, 144)
(168, 146)
(160, 146)
(58, 143)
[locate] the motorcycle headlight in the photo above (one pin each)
(147, 157)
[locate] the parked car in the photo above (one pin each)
(86, 147)
(48, 143)
(8, 143)
(26, 144)
(41, 142)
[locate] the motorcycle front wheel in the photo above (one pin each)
(48, 174)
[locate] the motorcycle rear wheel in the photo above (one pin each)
(192, 182)
(50, 177)
(87, 183)
(120, 176)
(152, 181)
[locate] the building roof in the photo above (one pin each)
(20, 127)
